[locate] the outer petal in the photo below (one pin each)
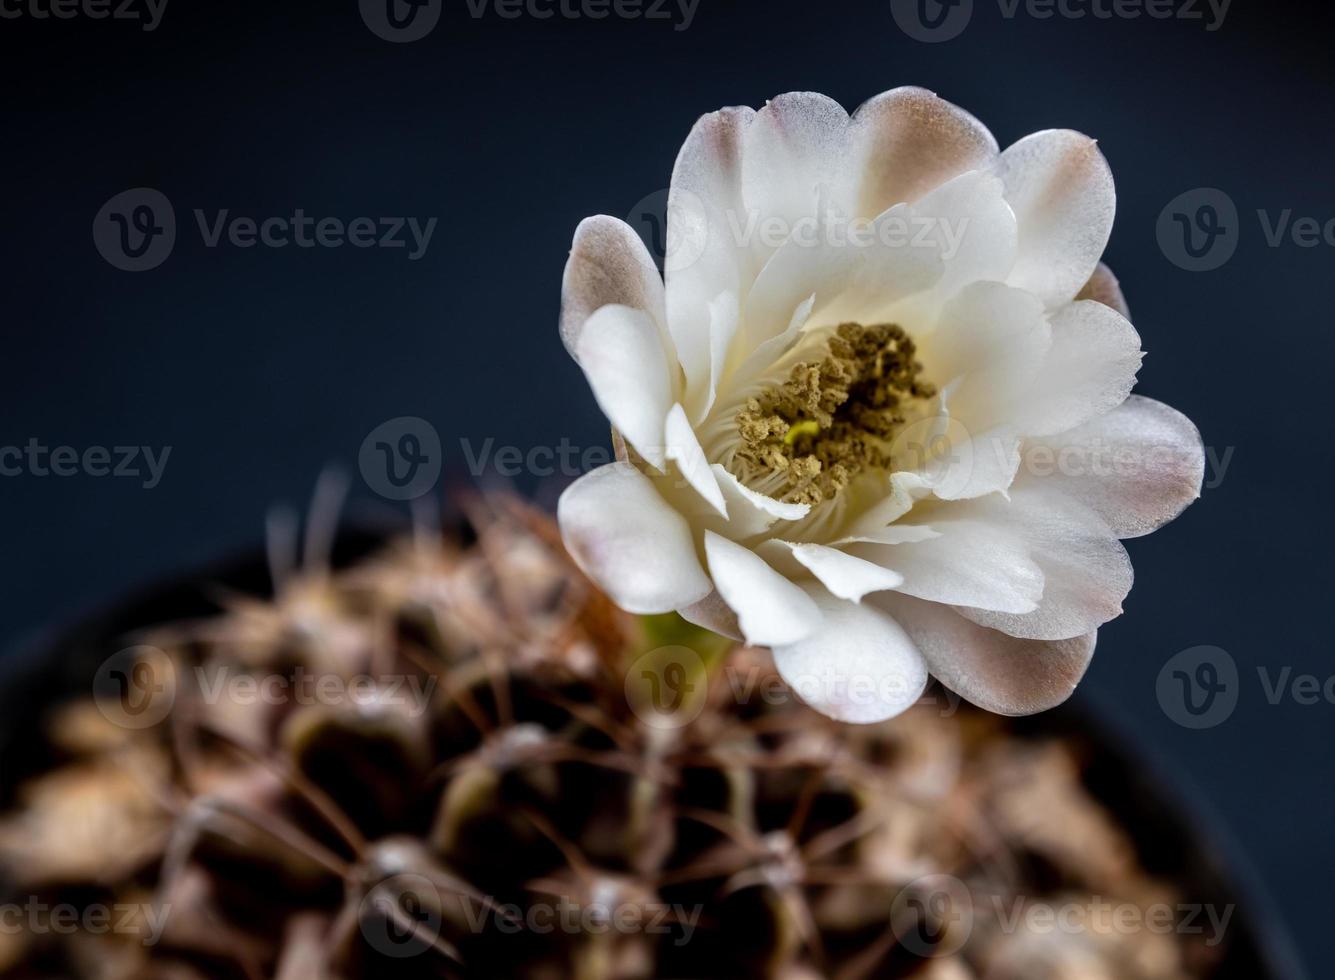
(795, 148)
(1137, 467)
(974, 561)
(1061, 190)
(703, 258)
(859, 667)
(1104, 288)
(998, 673)
(623, 359)
(770, 609)
(1090, 370)
(908, 141)
(627, 539)
(608, 266)
(712, 613)
(1086, 571)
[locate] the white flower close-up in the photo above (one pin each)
(875, 414)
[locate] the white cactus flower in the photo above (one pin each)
(878, 416)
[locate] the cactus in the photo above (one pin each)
(506, 776)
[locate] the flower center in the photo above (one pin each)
(805, 439)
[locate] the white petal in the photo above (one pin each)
(1061, 190)
(908, 141)
(712, 613)
(973, 562)
(1104, 288)
(702, 259)
(859, 667)
(897, 501)
(974, 227)
(846, 576)
(1090, 370)
(683, 448)
(749, 512)
(992, 336)
(894, 534)
(623, 358)
(894, 260)
(770, 609)
(1137, 467)
(725, 316)
(627, 539)
(608, 266)
(998, 673)
(795, 148)
(1086, 571)
(811, 265)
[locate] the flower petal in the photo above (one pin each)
(749, 512)
(1061, 190)
(1086, 571)
(845, 575)
(683, 448)
(1104, 288)
(623, 358)
(1137, 467)
(999, 673)
(1089, 371)
(973, 562)
(795, 148)
(608, 266)
(712, 613)
(975, 229)
(627, 539)
(907, 141)
(770, 609)
(859, 667)
(702, 258)
(892, 259)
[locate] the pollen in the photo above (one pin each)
(805, 439)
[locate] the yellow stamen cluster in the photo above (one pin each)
(833, 418)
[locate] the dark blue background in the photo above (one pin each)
(258, 367)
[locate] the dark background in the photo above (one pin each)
(259, 367)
